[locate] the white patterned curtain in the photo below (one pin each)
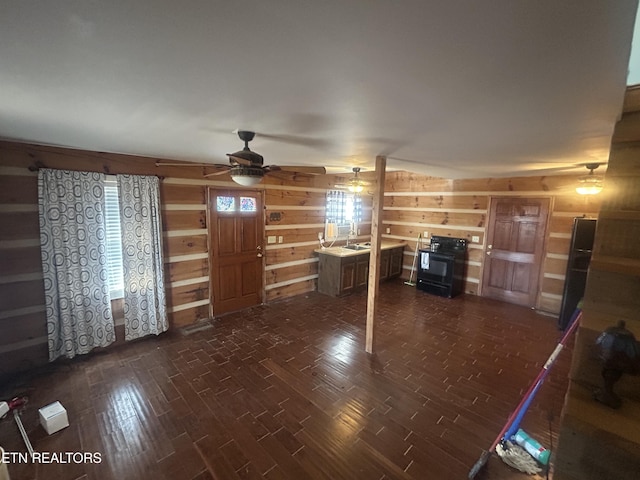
(145, 310)
(74, 262)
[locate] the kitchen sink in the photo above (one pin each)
(356, 247)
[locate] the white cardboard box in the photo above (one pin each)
(53, 417)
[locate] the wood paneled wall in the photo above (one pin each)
(595, 441)
(294, 215)
(291, 266)
(459, 208)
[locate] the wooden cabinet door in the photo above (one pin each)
(385, 257)
(347, 277)
(395, 262)
(515, 247)
(362, 271)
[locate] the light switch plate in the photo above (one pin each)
(280, 239)
(271, 239)
(388, 230)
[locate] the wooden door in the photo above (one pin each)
(236, 231)
(515, 248)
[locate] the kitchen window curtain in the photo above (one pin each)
(145, 310)
(74, 262)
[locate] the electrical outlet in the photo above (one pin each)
(475, 239)
(280, 239)
(425, 234)
(388, 230)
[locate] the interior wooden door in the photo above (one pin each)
(236, 231)
(515, 248)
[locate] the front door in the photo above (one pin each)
(236, 227)
(515, 248)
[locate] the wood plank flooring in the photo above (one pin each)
(286, 391)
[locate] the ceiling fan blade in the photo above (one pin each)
(298, 169)
(221, 172)
(183, 164)
(233, 157)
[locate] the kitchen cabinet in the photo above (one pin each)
(362, 271)
(342, 271)
(395, 262)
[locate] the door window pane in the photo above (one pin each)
(225, 204)
(247, 204)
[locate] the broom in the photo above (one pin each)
(413, 265)
(516, 416)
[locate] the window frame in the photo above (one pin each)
(347, 212)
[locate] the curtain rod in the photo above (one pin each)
(37, 165)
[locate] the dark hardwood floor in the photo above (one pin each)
(286, 391)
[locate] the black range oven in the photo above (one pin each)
(441, 267)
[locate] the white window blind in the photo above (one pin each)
(114, 239)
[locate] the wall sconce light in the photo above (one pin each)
(590, 184)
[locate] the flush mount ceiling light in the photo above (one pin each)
(355, 184)
(590, 184)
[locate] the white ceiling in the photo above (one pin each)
(458, 89)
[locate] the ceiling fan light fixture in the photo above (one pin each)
(246, 176)
(355, 184)
(590, 184)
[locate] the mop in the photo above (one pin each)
(14, 405)
(413, 265)
(502, 444)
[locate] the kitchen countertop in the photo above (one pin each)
(345, 252)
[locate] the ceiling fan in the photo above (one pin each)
(356, 184)
(246, 166)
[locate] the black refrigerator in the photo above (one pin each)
(582, 236)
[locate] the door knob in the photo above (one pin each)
(259, 255)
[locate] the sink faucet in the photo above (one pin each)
(352, 231)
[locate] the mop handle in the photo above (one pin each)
(415, 256)
(23, 432)
(537, 381)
